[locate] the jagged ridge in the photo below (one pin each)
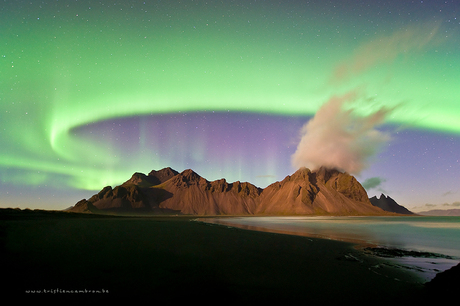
(306, 192)
(388, 204)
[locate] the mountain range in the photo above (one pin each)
(320, 192)
(388, 204)
(440, 212)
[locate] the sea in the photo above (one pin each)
(437, 235)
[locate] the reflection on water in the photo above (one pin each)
(424, 234)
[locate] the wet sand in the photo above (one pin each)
(425, 264)
(168, 259)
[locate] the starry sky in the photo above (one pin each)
(93, 91)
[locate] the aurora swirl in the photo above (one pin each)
(92, 92)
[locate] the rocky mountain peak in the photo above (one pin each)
(139, 179)
(163, 175)
(323, 191)
(152, 179)
(388, 204)
(324, 174)
(302, 175)
(188, 177)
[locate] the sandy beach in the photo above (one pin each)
(166, 259)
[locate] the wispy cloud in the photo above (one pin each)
(448, 193)
(336, 137)
(373, 182)
(454, 204)
(386, 49)
(429, 206)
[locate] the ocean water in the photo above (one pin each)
(439, 235)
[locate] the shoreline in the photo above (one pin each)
(169, 259)
(425, 265)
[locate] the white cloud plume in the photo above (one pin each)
(337, 138)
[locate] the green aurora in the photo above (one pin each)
(68, 65)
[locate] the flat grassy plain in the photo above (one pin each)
(50, 255)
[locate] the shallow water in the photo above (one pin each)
(439, 235)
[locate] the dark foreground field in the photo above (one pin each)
(168, 259)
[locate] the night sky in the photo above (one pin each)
(93, 91)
